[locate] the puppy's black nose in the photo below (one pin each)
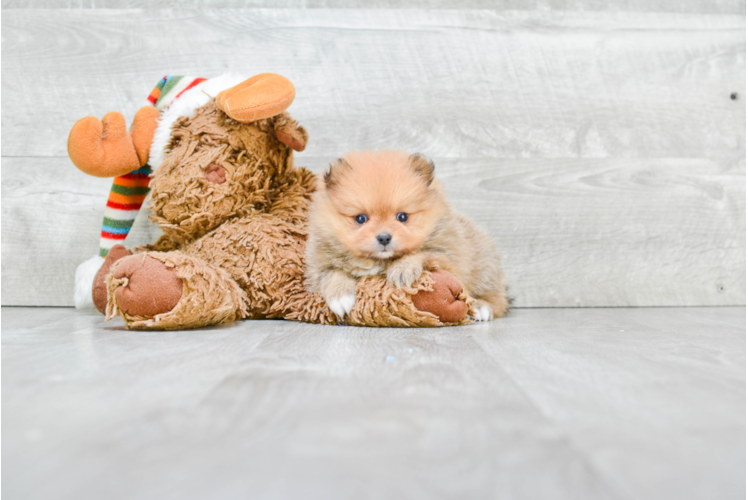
(384, 238)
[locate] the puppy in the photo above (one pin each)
(384, 213)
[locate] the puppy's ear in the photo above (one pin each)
(334, 172)
(423, 166)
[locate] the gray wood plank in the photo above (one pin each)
(692, 6)
(451, 84)
(594, 403)
(587, 232)
(611, 232)
(22, 320)
(51, 222)
(601, 150)
(671, 382)
(257, 401)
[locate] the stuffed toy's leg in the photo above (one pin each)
(171, 291)
(265, 256)
(436, 299)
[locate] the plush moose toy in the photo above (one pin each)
(232, 205)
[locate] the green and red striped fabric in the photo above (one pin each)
(129, 191)
(125, 199)
(171, 87)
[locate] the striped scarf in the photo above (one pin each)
(170, 88)
(129, 191)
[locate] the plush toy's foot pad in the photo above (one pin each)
(151, 287)
(172, 291)
(99, 285)
(446, 301)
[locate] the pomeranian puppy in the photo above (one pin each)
(384, 213)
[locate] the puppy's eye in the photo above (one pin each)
(402, 217)
(361, 218)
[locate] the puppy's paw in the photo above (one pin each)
(404, 273)
(339, 292)
(482, 313)
(341, 305)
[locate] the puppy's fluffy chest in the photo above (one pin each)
(366, 267)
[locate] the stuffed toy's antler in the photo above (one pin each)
(106, 148)
(262, 96)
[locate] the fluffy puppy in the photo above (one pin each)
(383, 212)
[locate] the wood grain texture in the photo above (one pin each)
(51, 222)
(572, 233)
(622, 381)
(599, 147)
(691, 6)
(459, 84)
(553, 404)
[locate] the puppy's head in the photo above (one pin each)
(382, 204)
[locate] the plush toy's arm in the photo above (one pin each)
(447, 300)
(436, 299)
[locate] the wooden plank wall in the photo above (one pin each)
(596, 141)
(679, 6)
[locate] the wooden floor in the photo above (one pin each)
(644, 403)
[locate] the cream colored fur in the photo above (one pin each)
(381, 184)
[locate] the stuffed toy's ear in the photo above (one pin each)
(290, 133)
(262, 96)
(106, 148)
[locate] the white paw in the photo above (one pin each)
(483, 313)
(401, 275)
(342, 305)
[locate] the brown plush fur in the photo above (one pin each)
(259, 171)
(209, 296)
(378, 186)
(239, 244)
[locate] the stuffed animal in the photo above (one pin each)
(217, 158)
